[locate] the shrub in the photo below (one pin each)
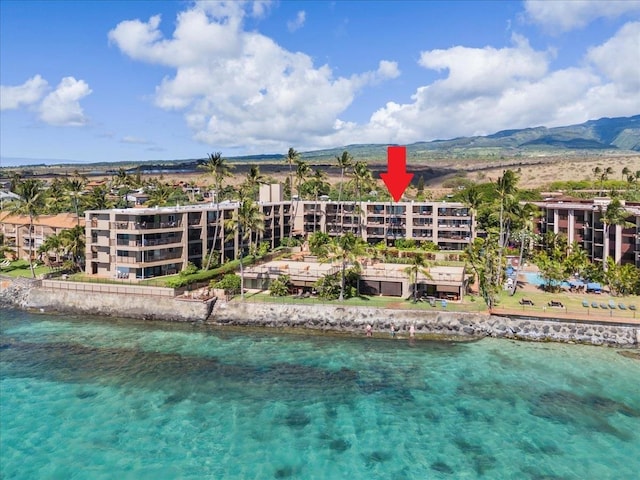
(206, 275)
(405, 244)
(230, 283)
(280, 286)
(190, 269)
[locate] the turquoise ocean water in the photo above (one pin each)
(90, 398)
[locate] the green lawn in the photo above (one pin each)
(571, 301)
(26, 272)
(471, 303)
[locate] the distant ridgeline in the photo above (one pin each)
(621, 134)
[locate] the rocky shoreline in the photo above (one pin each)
(27, 294)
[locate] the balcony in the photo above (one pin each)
(148, 260)
(422, 211)
(149, 242)
(145, 225)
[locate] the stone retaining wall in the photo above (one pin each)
(426, 323)
(27, 294)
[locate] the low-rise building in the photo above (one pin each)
(25, 238)
(376, 278)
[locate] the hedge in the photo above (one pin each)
(207, 275)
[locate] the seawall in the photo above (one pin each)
(426, 323)
(28, 294)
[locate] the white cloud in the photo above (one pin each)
(240, 88)
(134, 140)
(487, 90)
(62, 106)
(30, 92)
(615, 58)
(387, 69)
(484, 71)
(568, 15)
(298, 22)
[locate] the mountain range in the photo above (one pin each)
(621, 134)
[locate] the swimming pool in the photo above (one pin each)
(533, 278)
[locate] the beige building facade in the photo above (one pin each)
(24, 238)
(139, 243)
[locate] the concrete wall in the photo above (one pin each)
(118, 305)
(102, 288)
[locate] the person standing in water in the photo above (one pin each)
(412, 331)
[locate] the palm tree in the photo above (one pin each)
(73, 243)
(577, 260)
(246, 220)
(344, 161)
(219, 169)
(362, 179)
(506, 189)
(614, 215)
(159, 193)
(51, 244)
(603, 176)
(528, 213)
(58, 199)
(98, 198)
(472, 198)
(14, 180)
(303, 170)
(346, 249)
(626, 171)
(318, 184)
(31, 204)
(74, 188)
(291, 159)
(253, 179)
(418, 266)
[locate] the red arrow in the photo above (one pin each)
(396, 177)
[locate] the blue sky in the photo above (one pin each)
(152, 80)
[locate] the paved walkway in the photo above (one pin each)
(551, 313)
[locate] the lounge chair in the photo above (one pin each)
(612, 305)
(594, 304)
(622, 306)
(632, 307)
(585, 303)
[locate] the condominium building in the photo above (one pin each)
(447, 224)
(139, 243)
(25, 238)
(580, 220)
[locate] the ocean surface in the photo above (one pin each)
(95, 398)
